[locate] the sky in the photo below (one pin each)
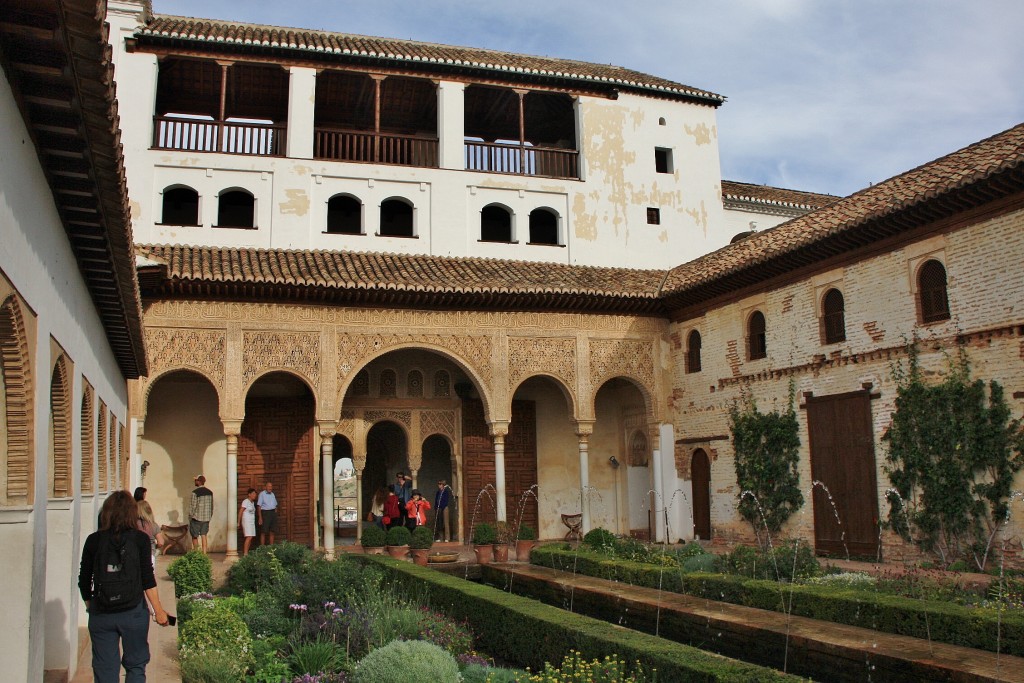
(823, 95)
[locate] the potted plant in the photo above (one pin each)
(483, 542)
(420, 544)
(504, 535)
(525, 540)
(373, 540)
(398, 542)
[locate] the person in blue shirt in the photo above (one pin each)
(266, 513)
(403, 489)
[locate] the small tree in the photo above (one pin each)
(953, 454)
(767, 454)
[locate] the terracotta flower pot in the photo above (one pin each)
(398, 551)
(501, 552)
(484, 553)
(523, 549)
(419, 556)
(373, 550)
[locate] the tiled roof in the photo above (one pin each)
(775, 196)
(57, 60)
(979, 173)
(411, 54)
(405, 280)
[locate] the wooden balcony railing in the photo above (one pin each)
(522, 160)
(374, 148)
(261, 139)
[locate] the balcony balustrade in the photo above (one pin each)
(375, 148)
(227, 137)
(522, 160)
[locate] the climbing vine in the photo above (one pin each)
(767, 454)
(953, 452)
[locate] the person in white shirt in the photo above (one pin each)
(247, 520)
(266, 513)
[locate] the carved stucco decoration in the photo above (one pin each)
(401, 416)
(617, 357)
(354, 349)
(531, 356)
(299, 351)
(438, 422)
(181, 348)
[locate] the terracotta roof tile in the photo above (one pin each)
(765, 194)
(412, 53)
(969, 168)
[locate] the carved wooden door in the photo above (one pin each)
(276, 444)
(843, 459)
(700, 476)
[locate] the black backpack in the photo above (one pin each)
(117, 574)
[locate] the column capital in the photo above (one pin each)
(328, 428)
(584, 428)
(232, 427)
(498, 428)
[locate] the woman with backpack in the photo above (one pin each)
(115, 574)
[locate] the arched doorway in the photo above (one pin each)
(437, 466)
(700, 476)
(276, 444)
(387, 453)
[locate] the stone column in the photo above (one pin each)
(415, 463)
(327, 431)
(499, 430)
(359, 463)
(583, 432)
(232, 428)
(659, 485)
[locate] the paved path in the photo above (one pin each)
(737, 631)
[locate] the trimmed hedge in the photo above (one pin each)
(528, 633)
(940, 621)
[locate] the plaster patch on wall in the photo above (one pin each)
(638, 116)
(135, 209)
(700, 216)
(663, 237)
(584, 222)
(301, 169)
(297, 202)
(607, 160)
(700, 133)
(189, 161)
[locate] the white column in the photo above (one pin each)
(301, 103)
(499, 474)
(584, 447)
(451, 124)
(327, 489)
(231, 430)
(359, 463)
(659, 487)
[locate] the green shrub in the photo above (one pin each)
(374, 537)
(422, 538)
(844, 580)
(526, 533)
(256, 571)
(292, 555)
(402, 661)
(796, 561)
(706, 563)
(484, 534)
(442, 631)
(316, 657)
(611, 669)
(689, 550)
(525, 632)
(600, 540)
(190, 604)
(399, 536)
(209, 667)
(481, 673)
(192, 573)
(217, 630)
(322, 580)
(268, 663)
(267, 614)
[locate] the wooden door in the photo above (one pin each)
(700, 477)
(276, 444)
(843, 459)
(478, 463)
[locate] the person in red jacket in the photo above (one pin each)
(392, 511)
(417, 509)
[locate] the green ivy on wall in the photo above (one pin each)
(952, 456)
(767, 454)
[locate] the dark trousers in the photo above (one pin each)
(129, 629)
(439, 524)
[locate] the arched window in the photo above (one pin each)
(60, 431)
(101, 447)
(112, 470)
(414, 384)
(833, 317)
(15, 406)
(361, 384)
(757, 342)
(693, 352)
(88, 440)
(495, 224)
(180, 206)
(388, 383)
(396, 218)
(344, 215)
(236, 209)
(931, 287)
(543, 226)
(442, 384)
